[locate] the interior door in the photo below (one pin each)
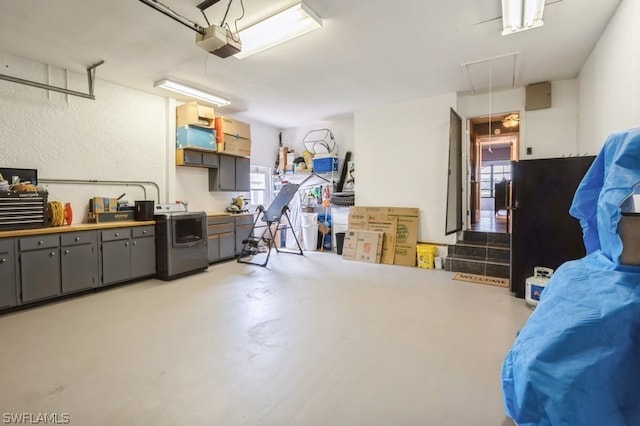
(454, 179)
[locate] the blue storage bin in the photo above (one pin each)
(195, 137)
(325, 165)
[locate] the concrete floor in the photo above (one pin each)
(313, 340)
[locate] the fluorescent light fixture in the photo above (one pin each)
(283, 26)
(521, 15)
(192, 92)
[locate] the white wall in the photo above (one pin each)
(610, 80)
(402, 160)
(550, 132)
(119, 136)
(342, 131)
(123, 135)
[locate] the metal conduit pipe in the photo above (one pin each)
(140, 184)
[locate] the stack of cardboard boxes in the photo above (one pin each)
(382, 235)
(233, 137)
(199, 128)
(195, 126)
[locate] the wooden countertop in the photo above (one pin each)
(75, 227)
(228, 214)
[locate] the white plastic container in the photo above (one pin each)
(309, 219)
(310, 237)
(535, 284)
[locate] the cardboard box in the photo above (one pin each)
(103, 204)
(350, 244)
(291, 156)
(386, 224)
(192, 114)
(406, 231)
(235, 146)
(196, 137)
(368, 246)
(111, 216)
(389, 211)
(388, 227)
(282, 158)
(229, 126)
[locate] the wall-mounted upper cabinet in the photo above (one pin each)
(196, 158)
(232, 174)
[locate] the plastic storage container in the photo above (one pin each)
(535, 284)
(310, 236)
(426, 254)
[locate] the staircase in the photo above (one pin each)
(481, 253)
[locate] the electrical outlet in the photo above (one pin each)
(529, 150)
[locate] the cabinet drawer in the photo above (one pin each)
(192, 157)
(143, 231)
(39, 242)
(246, 219)
(219, 229)
(115, 234)
(77, 238)
(216, 220)
(210, 159)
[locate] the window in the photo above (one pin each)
(490, 174)
(260, 186)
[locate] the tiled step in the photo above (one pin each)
(466, 249)
(487, 238)
(481, 253)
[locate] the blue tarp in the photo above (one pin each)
(577, 359)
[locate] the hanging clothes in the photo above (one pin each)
(577, 359)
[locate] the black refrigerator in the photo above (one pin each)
(542, 231)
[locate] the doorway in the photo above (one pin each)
(493, 145)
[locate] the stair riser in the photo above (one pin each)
(496, 254)
(487, 237)
(479, 268)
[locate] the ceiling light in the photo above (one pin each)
(283, 26)
(520, 15)
(191, 92)
(511, 120)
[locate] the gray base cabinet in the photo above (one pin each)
(221, 237)
(7, 273)
(143, 251)
(116, 255)
(243, 223)
(127, 253)
(39, 267)
(79, 261)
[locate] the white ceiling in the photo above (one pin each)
(368, 53)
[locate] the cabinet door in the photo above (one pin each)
(242, 233)
(40, 274)
(213, 248)
(143, 257)
(116, 261)
(227, 173)
(79, 267)
(227, 245)
(7, 274)
(243, 180)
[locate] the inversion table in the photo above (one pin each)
(264, 233)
